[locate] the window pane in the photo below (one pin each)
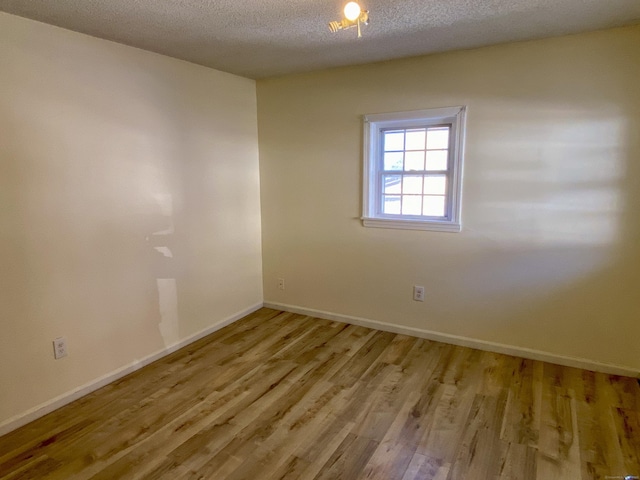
(415, 139)
(412, 184)
(393, 160)
(414, 161)
(433, 206)
(435, 185)
(391, 204)
(394, 140)
(392, 184)
(437, 159)
(438, 138)
(411, 204)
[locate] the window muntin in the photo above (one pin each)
(413, 169)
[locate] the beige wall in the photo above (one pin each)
(549, 255)
(107, 152)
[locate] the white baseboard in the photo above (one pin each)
(43, 409)
(463, 341)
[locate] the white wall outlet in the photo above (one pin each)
(418, 293)
(281, 283)
(60, 347)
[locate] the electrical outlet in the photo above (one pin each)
(418, 293)
(281, 283)
(60, 348)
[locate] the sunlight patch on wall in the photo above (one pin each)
(544, 195)
(554, 179)
(160, 241)
(168, 301)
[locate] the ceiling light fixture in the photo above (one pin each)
(353, 17)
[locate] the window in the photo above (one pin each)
(413, 169)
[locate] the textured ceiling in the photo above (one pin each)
(261, 38)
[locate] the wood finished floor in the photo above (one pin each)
(283, 396)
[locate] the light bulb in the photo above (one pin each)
(352, 11)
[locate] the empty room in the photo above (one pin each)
(268, 240)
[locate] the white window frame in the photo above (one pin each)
(374, 126)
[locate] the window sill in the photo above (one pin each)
(404, 224)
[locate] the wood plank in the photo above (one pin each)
(423, 467)
(558, 445)
(520, 423)
(349, 459)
